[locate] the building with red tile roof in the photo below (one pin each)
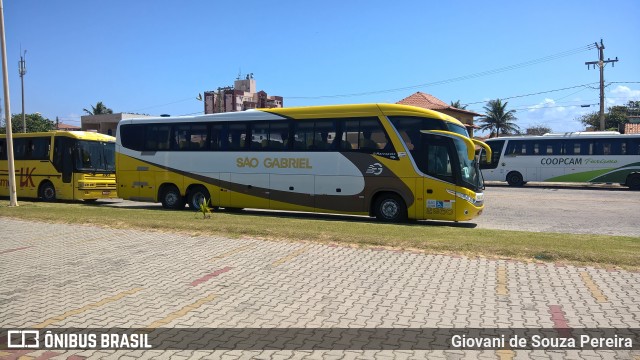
(66, 127)
(428, 101)
(631, 128)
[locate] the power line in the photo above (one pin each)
(538, 107)
(460, 78)
(531, 94)
(585, 86)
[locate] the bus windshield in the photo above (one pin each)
(469, 169)
(457, 129)
(95, 156)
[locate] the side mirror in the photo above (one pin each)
(471, 148)
(486, 148)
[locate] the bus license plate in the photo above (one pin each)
(106, 192)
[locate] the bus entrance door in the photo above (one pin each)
(436, 160)
(63, 158)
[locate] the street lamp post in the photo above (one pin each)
(23, 70)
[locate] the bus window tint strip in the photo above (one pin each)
(355, 134)
(605, 146)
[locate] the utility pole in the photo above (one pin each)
(601, 63)
(23, 70)
(11, 174)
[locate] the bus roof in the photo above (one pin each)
(81, 135)
(576, 135)
(306, 112)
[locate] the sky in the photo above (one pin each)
(155, 57)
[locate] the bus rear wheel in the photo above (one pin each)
(633, 181)
(171, 198)
(197, 196)
(47, 191)
(514, 178)
(390, 208)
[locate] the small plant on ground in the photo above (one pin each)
(205, 208)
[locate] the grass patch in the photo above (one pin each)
(429, 237)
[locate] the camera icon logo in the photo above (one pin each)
(23, 339)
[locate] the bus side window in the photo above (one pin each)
(237, 136)
(279, 136)
(131, 136)
(372, 136)
(39, 148)
(198, 137)
(259, 136)
(3, 149)
(633, 147)
(157, 137)
(218, 137)
(350, 135)
(19, 152)
(302, 135)
(180, 141)
(516, 147)
(607, 147)
(324, 135)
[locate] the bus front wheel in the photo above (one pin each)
(390, 208)
(197, 196)
(633, 181)
(171, 198)
(47, 191)
(515, 179)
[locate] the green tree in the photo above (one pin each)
(456, 104)
(35, 123)
(537, 130)
(497, 119)
(99, 109)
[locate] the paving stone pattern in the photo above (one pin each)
(57, 275)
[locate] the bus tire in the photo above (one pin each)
(47, 191)
(171, 198)
(633, 181)
(389, 207)
(197, 195)
(514, 178)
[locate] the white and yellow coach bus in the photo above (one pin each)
(390, 161)
(65, 165)
(589, 157)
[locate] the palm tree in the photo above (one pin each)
(456, 104)
(99, 109)
(497, 118)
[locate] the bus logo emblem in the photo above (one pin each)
(375, 169)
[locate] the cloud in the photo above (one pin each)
(564, 118)
(621, 95)
(548, 113)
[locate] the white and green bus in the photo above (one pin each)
(589, 157)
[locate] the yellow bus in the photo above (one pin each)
(389, 161)
(65, 165)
